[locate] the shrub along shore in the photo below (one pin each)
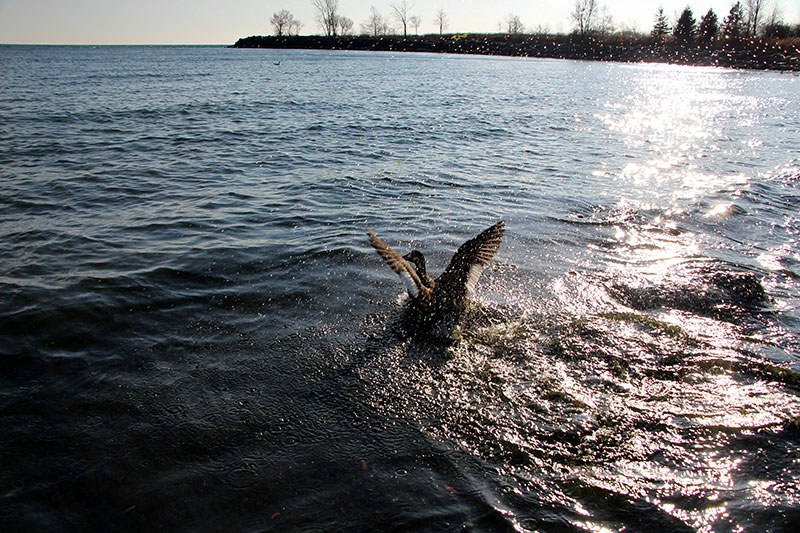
(731, 53)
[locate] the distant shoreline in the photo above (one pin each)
(740, 54)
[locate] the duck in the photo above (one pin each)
(431, 299)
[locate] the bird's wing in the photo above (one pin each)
(468, 262)
(398, 264)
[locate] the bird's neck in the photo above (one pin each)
(422, 271)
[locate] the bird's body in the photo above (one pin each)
(446, 296)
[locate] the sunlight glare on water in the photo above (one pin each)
(678, 118)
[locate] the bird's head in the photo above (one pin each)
(416, 258)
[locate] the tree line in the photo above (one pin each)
(333, 24)
(743, 21)
(748, 18)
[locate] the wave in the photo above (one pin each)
(705, 288)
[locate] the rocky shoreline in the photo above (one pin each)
(742, 54)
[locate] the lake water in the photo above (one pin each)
(195, 333)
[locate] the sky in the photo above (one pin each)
(224, 21)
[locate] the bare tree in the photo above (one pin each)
(513, 24)
(541, 29)
(605, 22)
(327, 15)
(584, 15)
(441, 21)
(754, 11)
(344, 25)
(283, 23)
(294, 27)
(415, 21)
(375, 25)
(400, 9)
(777, 16)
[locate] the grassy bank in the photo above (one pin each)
(746, 54)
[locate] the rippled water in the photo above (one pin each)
(195, 333)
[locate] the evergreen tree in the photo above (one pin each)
(733, 25)
(686, 26)
(661, 27)
(709, 26)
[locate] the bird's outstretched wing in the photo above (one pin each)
(467, 264)
(399, 265)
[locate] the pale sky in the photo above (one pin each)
(224, 21)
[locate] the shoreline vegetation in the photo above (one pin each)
(755, 53)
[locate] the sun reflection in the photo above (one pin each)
(771, 260)
(593, 526)
(696, 185)
(675, 120)
(642, 174)
(763, 492)
(667, 111)
(722, 337)
(705, 484)
(720, 210)
(776, 258)
(655, 247)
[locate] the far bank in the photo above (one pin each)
(744, 54)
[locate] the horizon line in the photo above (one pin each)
(114, 44)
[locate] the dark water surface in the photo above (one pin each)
(196, 335)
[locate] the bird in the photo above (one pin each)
(432, 299)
